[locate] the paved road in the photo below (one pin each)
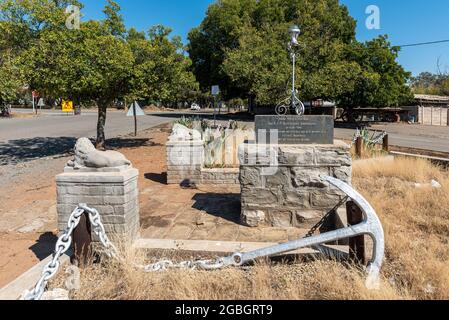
(54, 134)
(57, 125)
(433, 138)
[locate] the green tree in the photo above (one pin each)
(382, 81)
(21, 23)
(428, 83)
(161, 71)
(84, 65)
(114, 20)
(242, 45)
(92, 64)
(10, 79)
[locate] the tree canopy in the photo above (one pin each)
(242, 46)
(429, 83)
(100, 62)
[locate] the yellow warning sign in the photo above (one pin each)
(67, 106)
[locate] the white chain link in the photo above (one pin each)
(62, 246)
(112, 252)
(65, 241)
(378, 140)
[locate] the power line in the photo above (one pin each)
(423, 43)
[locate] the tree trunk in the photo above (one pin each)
(101, 139)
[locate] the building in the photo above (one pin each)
(430, 110)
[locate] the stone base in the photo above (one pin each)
(291, 193)
(185, 166)
(184, 162)
(113, 194)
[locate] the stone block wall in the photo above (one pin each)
(113, 194)
(281, 185)
(220, 176)
(184, 161)
(185, 165)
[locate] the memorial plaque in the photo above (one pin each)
(296, 129)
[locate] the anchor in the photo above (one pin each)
(370, 226)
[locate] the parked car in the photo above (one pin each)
(195, 107)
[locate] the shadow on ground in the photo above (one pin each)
(223, 205)
(131, 143)
(24, 150)
(243, 116)
(44, 246)
(157, 177)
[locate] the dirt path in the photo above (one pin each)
(28, 217)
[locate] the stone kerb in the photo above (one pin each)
(281, 184)
(114, 193)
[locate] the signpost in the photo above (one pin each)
(67, 106)
(215, 93)
(135, 111)
(41, 103)
(34, 95)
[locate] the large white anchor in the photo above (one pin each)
(371, 226)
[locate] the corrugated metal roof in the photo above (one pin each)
(429, 97)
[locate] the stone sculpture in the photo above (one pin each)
(86, 156)
(182, 133)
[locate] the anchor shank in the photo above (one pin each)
(304, 243)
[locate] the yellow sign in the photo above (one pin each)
(67, 106)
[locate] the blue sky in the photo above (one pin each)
(405, 21)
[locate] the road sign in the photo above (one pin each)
(41, 103)
(215, 90)
(135, 111)
(67, 106)
(139, 111)
(35, 94)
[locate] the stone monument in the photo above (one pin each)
(280, 175)
(104, 180)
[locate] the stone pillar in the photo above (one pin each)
(281, 184)
(112, 191)
(184, 161)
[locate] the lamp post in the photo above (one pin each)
(296, 106)
(292, 103)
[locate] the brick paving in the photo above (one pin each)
(206, 213)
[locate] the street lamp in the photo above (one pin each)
(294, 32)
(292, 102)
(296, 106)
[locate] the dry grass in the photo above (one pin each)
(416, 222)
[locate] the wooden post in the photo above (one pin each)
(385, 144)
(359, 147)
(356, 244)
(82, 242)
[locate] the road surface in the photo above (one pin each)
(434, 138)
(54, 134)
(59, 125)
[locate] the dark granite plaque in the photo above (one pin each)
(296, 129)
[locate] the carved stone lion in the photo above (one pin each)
(86, 156)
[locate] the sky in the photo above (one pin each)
(405, 22)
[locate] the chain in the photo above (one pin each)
(65, 241)
(111, 251)
(378, 140)
(98, 228)
(356, 136)
(324, 219)
(62, 246)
